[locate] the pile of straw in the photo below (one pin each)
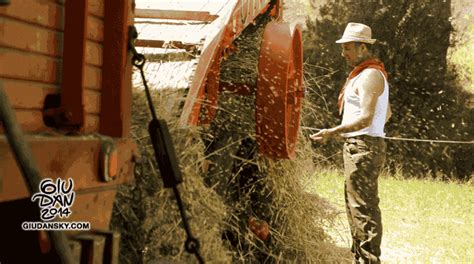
(147, 215)
(225, 183)
(241, 66)
(151, 227)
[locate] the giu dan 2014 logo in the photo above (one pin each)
(55, 198)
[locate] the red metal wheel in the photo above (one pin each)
(280, 90)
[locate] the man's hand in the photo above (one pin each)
(323, 135)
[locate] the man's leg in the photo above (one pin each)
(363, 161)
(355, 244)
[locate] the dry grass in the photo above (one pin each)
(147, 214)
(222, 188)
(241, 65)
(151, 227)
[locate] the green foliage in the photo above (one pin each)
(413, 39)
(463, 58)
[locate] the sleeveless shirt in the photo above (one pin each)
(352, 110)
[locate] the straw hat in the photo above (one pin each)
(356, 32)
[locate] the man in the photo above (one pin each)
(364, 103)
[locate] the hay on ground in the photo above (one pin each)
(225, 183)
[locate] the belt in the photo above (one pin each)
(363, 138)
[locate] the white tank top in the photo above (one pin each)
(352, 110)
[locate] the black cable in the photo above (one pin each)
(192, 244)
(29, 168)
(139, 61)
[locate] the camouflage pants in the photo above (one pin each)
(363, 159)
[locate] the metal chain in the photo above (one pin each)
(192, 244)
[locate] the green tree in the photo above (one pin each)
(413, 40)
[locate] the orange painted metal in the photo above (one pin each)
(280, 90)
(237, 88)
(175, 14)
(243, 13)
(67, 157)
(108, 161)
(78, 52)
(212, 93)
(71, 112)
(116, 97)
(94, 206)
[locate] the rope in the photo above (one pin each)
(411, 139)
(431, 140)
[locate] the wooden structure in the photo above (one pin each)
(280, 78)
(66, 68)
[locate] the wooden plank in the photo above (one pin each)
(175, 14)
(39, 12)
(29, 37)
(93, 53)
(92, 123)
(92, 102)
(95, 29)
(96, 8)
(30, 95)
(93, 77)
(26, 94)
(117, 70)
(48, 14)
(31, 121)
(28, 66)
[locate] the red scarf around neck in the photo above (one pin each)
(370, 63)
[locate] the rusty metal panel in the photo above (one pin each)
(116, 97)
(92, 248)
(65, 157)
(75, 251)
(75, 32)
(94, 206)
(112, 246)
(231, 25)
(30, 120)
